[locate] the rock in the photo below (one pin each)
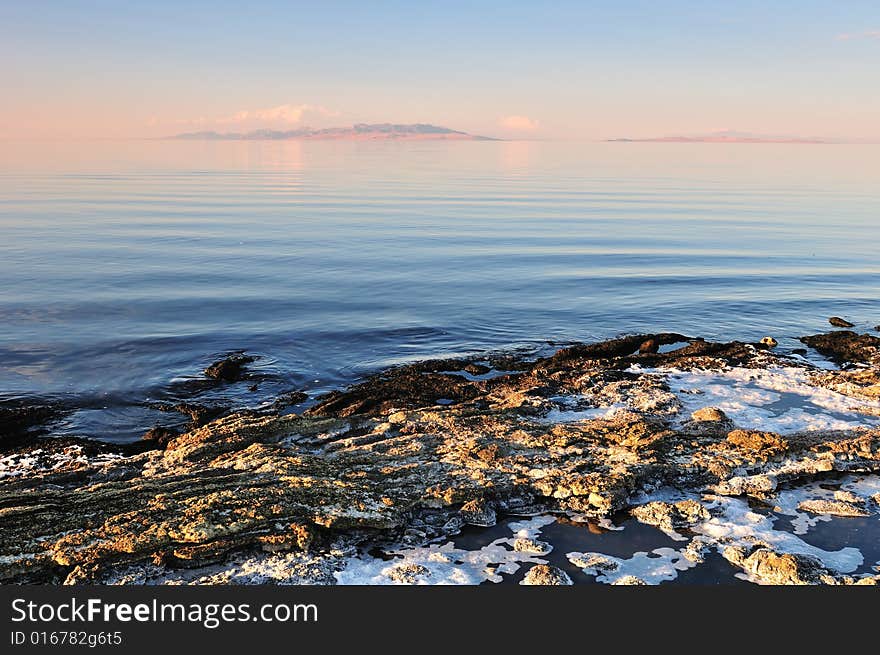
(833, 507)
(476, 369)
(479, 512)
(594, 561)
(528, 545)
(649, 346)
(409, 573)
(668, 516)
(848, 497)
(711, 414)
(768, 443)
(770, 567)
(160, 436)
(18, 418)
(289, 398)
(230, 368)
(836, 321)
(751, 484)
(799, 351)
(544, 574)
(629, 581)
(769, 342)
(845, 346)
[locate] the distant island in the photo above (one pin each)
(726, 136)
(357, 132)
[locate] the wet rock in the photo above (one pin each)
(476, 369)
(845, 346)
(836, 321)
(833, 507)
(799, 351)
(770, 567)
(649, 347)
(479, 512)
(769, 342)
(19, 418)
(544, 574)
(290, 398)
(529, 545)
(199, 414)
(160, 436)
(231, 368)
(668, 516)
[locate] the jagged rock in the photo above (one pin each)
(528, 545)
(668, 516)
(479, 512)
(544, 574)
(751, 484)
(409, 573)
(770, 567)
(629, 581)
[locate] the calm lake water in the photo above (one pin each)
(129, 265)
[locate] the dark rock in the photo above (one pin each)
(230, 368)
(476, 369)
(649, 347)
(290, 398)
(845, 346)
(199, 414)
(799, 351)
(836, 321)
(160, 436)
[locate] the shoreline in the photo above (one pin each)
(672, 430)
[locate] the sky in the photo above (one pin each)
(554, 70)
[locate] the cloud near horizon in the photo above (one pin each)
(519, 123)
(288, 113)
(852, 36)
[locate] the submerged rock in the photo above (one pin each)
(544, 574)
(231, 368)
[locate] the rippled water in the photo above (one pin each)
(127, 265)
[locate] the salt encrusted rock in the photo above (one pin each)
(528, 545)
(544, 574)
(409, 573)
(770, 567)
(833, 507)
(697, 548)
(372, 462)
(479, 512)
(629, 581)
(668, 516)
(593, 561)
(751, 484)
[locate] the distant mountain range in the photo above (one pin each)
(358, 132)
(725, 136)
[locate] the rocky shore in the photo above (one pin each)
(684, 434)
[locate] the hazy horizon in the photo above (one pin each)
(89, 69)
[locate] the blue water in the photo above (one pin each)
(127, 266)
